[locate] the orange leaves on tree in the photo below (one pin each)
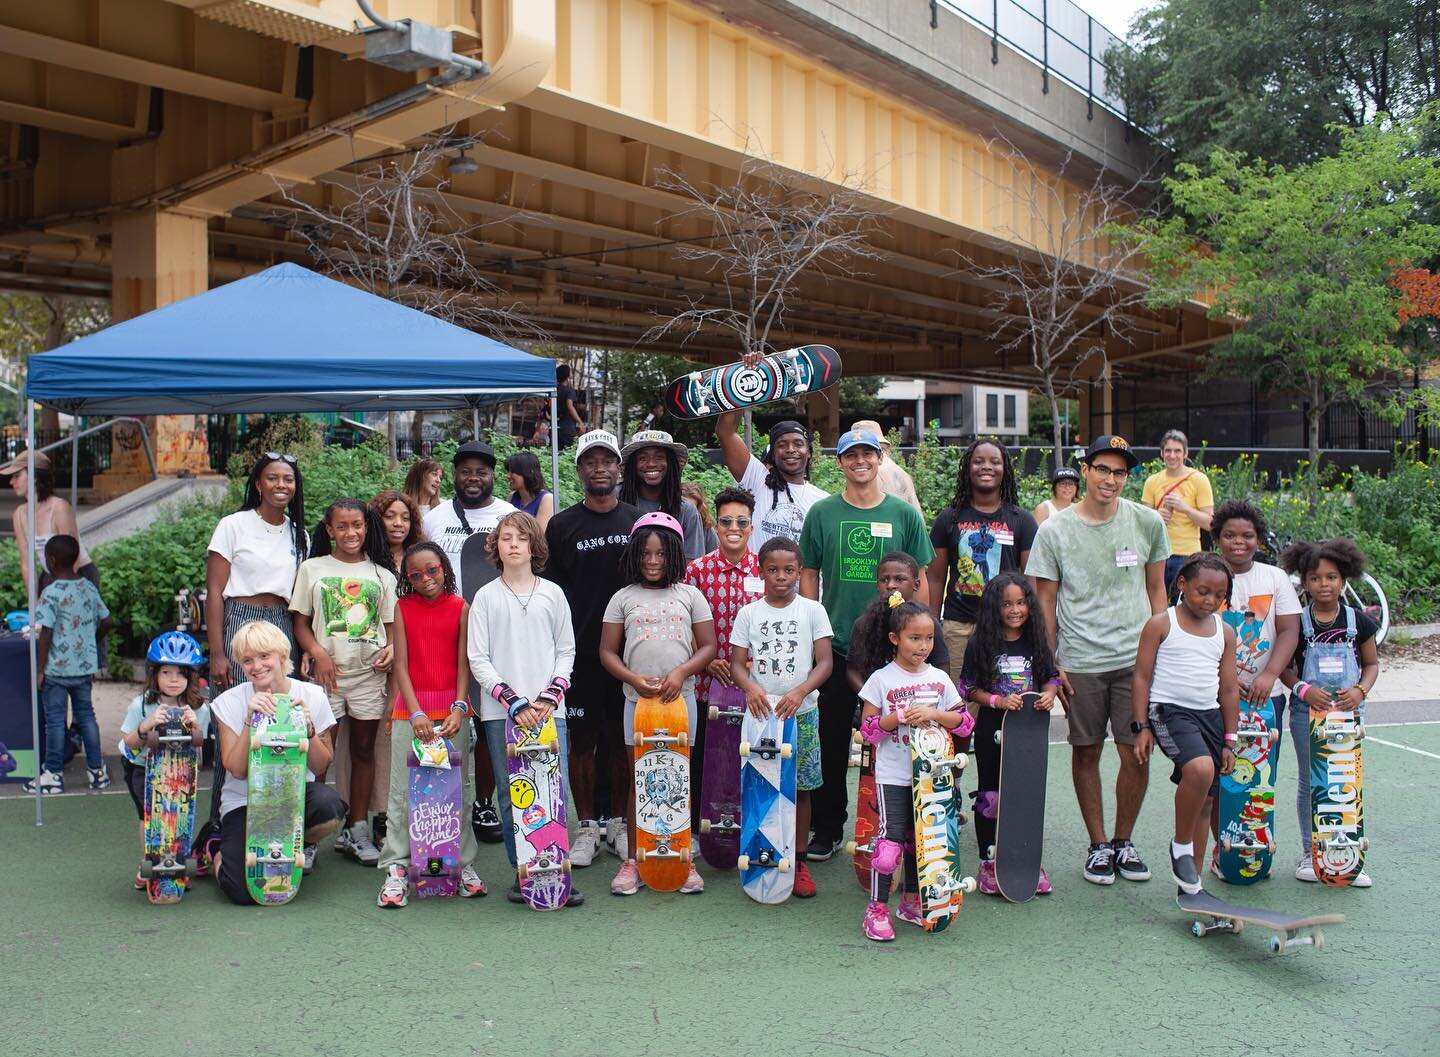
(1419, 291)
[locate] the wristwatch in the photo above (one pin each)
(1136, 727)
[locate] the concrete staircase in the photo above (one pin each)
(128, 513)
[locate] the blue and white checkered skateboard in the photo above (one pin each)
(767, 807)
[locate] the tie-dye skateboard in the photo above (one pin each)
(537, 812)
(172, 764)
(662, 793)
(1247, 799)
(436, 803)
(767, 807)
(934, 767)
(1337, 801)
(777, 376)
(1287, 930)
(720, 778)
(275, 800)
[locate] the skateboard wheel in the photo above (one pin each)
(1225, 843)
(962, 819)
(1237, 927)
(565, 867)
(743, 862)
(783, 865)
(744, 748)
(523, 870)
(641, 741)
(1364, 843)
(1277, 944)
(251, 859)
(685, 856)
(254, 742)
(704, 826)
(997, 737)
(552, 745)
(511, 750)
(990, 854)
(303, 744)
(785, 751)
(1270, 847)
(968, 885)
(1319, 941)
(192, 867)
(713, 712)
(640, 854)
(849, 847)
(1360, 732)
(147, 868)
(1197, 929)
(683, 739)
(1272, 734)
(856, 738)
(962, 761)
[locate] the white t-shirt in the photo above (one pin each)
(230, 708)
(261, 555)
(893, 686)
(441, 525)
(784, 516)
(782, 644)
(522, 646)
(138, 710)
(1258, 597)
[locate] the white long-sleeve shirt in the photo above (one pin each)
(522, 646)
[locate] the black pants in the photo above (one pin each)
(135, 782)
(829, 805)
(987, 769)
(897, 823)
(322, 805)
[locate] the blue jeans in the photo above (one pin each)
(55, 693)
(495, 742)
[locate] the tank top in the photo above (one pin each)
(1187, 667)
(44, 514)
(533, 507)
(432, 642)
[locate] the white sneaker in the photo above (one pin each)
(622, 842)
(50, 783)
(362, 846)
(587, 843)
(99, 777)
(1305, 870)
(1362, 880)
(308, 859)
(614, 831)
(395, 892)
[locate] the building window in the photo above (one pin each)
(1010, 411)
(992, 410)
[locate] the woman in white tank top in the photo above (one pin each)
(53, 517)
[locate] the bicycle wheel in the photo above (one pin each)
(1365, 594)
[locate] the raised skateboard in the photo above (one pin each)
(172, 765)
(537, 811)
(777, 376)
(867, 813)
(933, 770)
(1337, 802)
(767, 807)
(275, 819)
(1287, 930)
(662, 793)
(1247, 799)
(434, 796)
(1024, 738)
(720, 778)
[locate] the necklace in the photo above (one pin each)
(523, 602)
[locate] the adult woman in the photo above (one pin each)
(401, 519)
(254, 555)
(1064, 488)
(1184, 499)
(527, 487)
(422, 484)
(53, 517)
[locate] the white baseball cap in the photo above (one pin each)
(597, 438)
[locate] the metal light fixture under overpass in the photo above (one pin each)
(463, 165)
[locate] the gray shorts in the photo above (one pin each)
(1101, 699)
(1186, 734)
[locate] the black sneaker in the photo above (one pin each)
(485, 822)
(1128, 862)
(514, 895)
(821, 848)
(1184, 872)
(576, 898)
(1100, 865)
(378, 826)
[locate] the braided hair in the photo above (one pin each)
(377, 549)
(295, 509)
(670, 498)
(990, 644)
(441, 559)
(1009, 488)
(630, 570)
(1207, 560)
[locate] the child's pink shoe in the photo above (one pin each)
(876, 925)
(985, 878)
(909, 909)
(1043, 888)
(886, 857)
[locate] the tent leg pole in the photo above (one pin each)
(30, 594)
(74, 462)
(555, 449)
(474, 423)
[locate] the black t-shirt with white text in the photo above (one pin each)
(585, 549)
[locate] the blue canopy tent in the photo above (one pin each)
(283, 340)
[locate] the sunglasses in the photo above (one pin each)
(738, 522)
(416, 575)
(280, 456)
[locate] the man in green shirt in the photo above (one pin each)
(840, 548)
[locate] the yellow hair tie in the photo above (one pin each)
(895, 599)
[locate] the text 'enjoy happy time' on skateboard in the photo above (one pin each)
(777, 376)
(662, 793)
(767, 806)
(720, 778)
(1337, 797)
(1247, 798)
(1287, 930)
(1024, 738)
(172, 765)
(436, 803)
(934, 769)
(537, 812)
(275, 800)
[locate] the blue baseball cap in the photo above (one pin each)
(851, 438)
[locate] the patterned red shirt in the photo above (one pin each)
(722, 582)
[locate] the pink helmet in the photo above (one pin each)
(658, 520)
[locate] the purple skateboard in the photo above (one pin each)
(435, 820)
(537, 814)
(720, 778)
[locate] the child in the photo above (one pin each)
(907, 692)
(781, 647)
(1008, 655)
(1335, 665)
(521, 652)
(72, 618)
(897, 572)
(669, 636)
(262, 652)
(172, 684)
(431, 678)
(693, 492)
(1186, 699)
(344, 606)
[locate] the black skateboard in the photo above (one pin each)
(1024, 738)
(1287, 930)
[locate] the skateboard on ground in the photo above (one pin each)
(867, 813)
(720, 778)
(1337, 802)
(662, 793)
(1287, 930)
(1247, 799)
(1024, 738)
(436, 803)
(537, 811)
(767, 807)
(933, 770)
(172, 765)
(778, 376)
(275, 815)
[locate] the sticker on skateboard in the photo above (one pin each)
(1247, 798)
(537, 811)
(777, 376)
(275, 802)
(767, 806)
(435, 805)
(1287, 930)
(720, 778)
(662, 793)
(172, 765)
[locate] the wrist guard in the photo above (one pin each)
(870, 730)
(555, 692)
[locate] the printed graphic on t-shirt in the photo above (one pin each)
(662, 621)
(777, 647)
(1249, 625)
(977, 560)
(905, 696)
(1016, 676)
(350, 608)
(784, 519)
(859, 551)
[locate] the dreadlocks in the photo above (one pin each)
(670, 497)
(775, 480)
(1009, 489)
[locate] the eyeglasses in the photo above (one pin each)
(280, 456)
(1105, 471)
(416, 575)
(738, 522)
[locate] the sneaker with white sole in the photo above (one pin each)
(1100, 864)
(486, 822)
(50, 783)
(614, 835)
(470, 883)
(99, 777)
(1128, 863)
(308, 863)
(627, 881)
(876, 924)
(395, 892)
(1183, 872)
(1305, 870)
(909, 909)
(359, 845)
(694, 884)
(587, 843)
(1362, 880)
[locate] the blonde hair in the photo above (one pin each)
(260, 636)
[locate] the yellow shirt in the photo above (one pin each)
(1194, 491)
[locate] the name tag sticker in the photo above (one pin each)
(754, 585)
(881, 530)
(1004, 538)
(1125, 558)
(1331, 665)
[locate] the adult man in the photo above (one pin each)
(780, 482)
(892, 476)
(571, 421)
(586, 541)
(840, 547)
(650, 481)
(1183, 496)
(1099, 571)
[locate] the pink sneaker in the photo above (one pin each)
(1043, 888)
(909, 909)
(627, 881)
(886, 857)
(985, 879)
(876, 925)
(693, 884)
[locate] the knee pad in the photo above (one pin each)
(886, 857)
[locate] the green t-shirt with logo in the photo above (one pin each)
(845, 543)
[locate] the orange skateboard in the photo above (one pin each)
(662, 793)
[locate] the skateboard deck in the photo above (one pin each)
(1287, 930)
(867, 814)
(662, 793)
(778, 376)
(537, 812)
(767, 807)
(172, 765)
(1337, 802)
(435, 819)
(275, 819)
(476, 569)
(1024, 738)
(934, 767)
(720, 778)
(1247, 798)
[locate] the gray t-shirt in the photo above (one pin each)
(1102, 603)
(659, 628)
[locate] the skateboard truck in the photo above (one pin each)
(532, 748)
(663, 737)
(725, 824)
(766, 749)
(767, 859)
(662, 850)
(1229, 843)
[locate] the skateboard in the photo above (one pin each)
(537, 811)
(1287, 930)
(476, 569)
(778, 376)
(934, 764)
(1247, 799)
(275, 819)
(172, 765)
(662, 793)
(1024, 738)
(1337, 802)
(867, 813)
(720, 778)
(435, 806)
(767, 807)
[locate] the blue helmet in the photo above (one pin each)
(175, 647)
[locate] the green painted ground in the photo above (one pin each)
(90, 967)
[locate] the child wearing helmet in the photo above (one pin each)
(172, 682)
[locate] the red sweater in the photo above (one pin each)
(432, 651)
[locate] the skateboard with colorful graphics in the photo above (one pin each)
(767, 807)
(537, 810)
(1246, 848)
(1337, 797)
(1024, 738)
(172, 765)
(435, 817)
(662, 793)
(867, 813)
(720, 778)
(934, 768)
(777, 376)
(1287, 930)
(275, 801)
